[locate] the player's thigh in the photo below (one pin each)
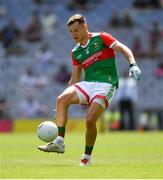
(94, 112)
(69, 95)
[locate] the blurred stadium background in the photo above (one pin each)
(35, 61)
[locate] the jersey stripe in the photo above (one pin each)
(101, 55)
(81, 90)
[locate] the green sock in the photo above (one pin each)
(88, 150)
(61, 131)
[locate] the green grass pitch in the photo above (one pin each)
(116, 155)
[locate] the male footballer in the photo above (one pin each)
(95, 54)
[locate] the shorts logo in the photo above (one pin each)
(109, 78)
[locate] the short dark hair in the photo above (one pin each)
(76, 18)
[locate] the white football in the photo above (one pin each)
(47, 131)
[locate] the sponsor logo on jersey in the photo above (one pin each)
(98, 56)
(92, 59)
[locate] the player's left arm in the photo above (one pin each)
(119, 47)
(134, 69)
(111, 42)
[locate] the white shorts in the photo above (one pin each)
(99, 92)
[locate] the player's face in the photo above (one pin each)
(78, 31)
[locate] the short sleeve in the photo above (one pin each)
(74, 61)
(107, 39)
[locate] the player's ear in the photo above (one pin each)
(86, 26)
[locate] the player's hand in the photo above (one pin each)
(135, 71)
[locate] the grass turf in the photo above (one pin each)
(116, 155)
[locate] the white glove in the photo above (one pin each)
(135, 71)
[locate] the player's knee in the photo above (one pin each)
(63, 100)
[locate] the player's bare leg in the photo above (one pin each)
(93, 114)
(68, 97)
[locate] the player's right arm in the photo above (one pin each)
(76, 71)
(75, 75)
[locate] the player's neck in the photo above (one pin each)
(85, 39)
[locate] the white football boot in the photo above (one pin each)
(84, 162)
(53, 147)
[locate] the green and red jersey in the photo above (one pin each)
(97, 58)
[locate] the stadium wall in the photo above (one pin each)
(30, 125)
